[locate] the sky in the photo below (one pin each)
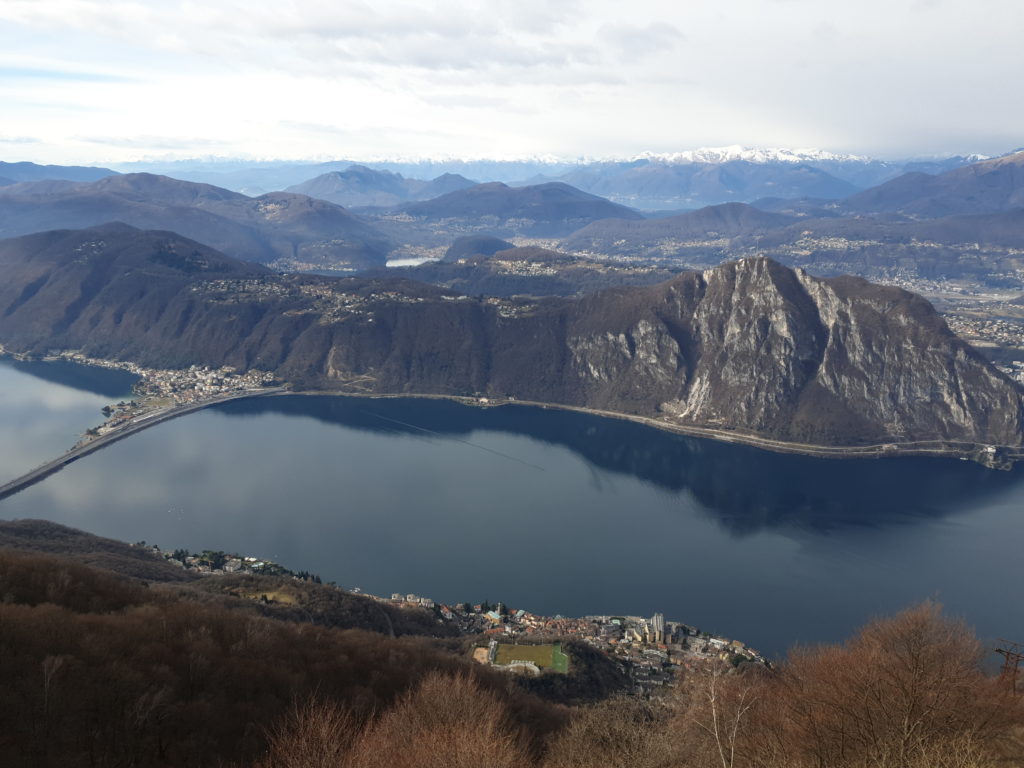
(94, 81)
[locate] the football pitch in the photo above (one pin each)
(544, 656)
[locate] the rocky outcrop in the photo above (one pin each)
(750, 346)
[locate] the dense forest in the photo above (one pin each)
(100, 669)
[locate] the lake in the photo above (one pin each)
(551, 511)
(45, 407)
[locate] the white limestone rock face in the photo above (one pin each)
(757, 347)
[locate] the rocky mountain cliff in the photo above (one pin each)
(750, 347)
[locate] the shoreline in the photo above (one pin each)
(145, 421)
(991, 456)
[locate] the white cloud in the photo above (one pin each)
(594, 77)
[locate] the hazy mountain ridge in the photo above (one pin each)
(359, 186)
(542, 210)
(964, 224)
(655, 184)
(294, 232)
(988, 186)
(753, 173)
(287, 230)
(749, 346)
(25, 171)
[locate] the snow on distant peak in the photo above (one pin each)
(752, 155)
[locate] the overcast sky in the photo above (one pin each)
(116, 80)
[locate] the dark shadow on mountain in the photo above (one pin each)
(745, 489)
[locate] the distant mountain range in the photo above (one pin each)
(984, 187)
(964, 223)
(540, 210)
(960, 223)
(655, 184)
(359, 186)
(11, 173)
(286, 230)
(669, 181)
(751, 349)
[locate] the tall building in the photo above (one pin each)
(658, 627)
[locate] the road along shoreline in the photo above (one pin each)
(139, 423)
(994, 457)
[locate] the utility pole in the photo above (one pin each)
(1012, 657)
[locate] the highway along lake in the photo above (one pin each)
(555, 512)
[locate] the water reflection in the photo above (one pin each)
(555, 512)
(106, 382)
(45, 408)
(745, 489)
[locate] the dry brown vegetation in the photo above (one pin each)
(906, 692)
(98, 670)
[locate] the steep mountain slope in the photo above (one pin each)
(286, 230)
(362, 186)
(542, 210)
(750, 348)
(986, 187)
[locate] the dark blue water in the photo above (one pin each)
(559, 512)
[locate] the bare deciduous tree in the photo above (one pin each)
(316, 734)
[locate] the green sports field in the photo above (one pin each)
(544, 656)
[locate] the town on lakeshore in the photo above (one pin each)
(652, 652)
(159, 391)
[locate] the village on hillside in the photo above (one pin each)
(652, 652)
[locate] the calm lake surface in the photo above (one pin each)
(550, 511)
(46, 407)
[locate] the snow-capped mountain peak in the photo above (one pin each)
(752, 155)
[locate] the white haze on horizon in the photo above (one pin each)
(120, 80)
